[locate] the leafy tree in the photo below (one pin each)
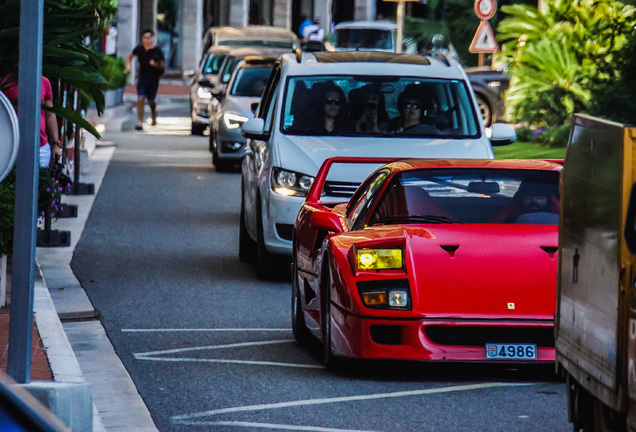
(556, 55)
(614, 100)
(64, 57)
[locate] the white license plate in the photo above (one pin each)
(511, 351)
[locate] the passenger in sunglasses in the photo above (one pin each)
(331, 109)
(412, 112)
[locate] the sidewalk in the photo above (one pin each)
(73, 365)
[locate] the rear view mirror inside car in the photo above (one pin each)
(483, 187)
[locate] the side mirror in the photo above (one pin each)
(217, 92)
(325, 221)
(254, 129)
(254, 107)
(502, 134)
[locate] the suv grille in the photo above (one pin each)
(340, 189)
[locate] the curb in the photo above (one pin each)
(92, 390)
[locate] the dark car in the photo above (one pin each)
(489, 86)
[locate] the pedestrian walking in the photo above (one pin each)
(151, 67)
(50, 151)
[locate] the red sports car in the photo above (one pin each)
(430, 259)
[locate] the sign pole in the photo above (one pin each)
(400, 25)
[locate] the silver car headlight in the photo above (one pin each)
(233, 121)
(290, 183)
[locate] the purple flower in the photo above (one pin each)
(48, 189)
(538, 132)
(52, 203)
(42, 213)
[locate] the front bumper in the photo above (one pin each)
(278, 221)
(435, 340)
(230, 143)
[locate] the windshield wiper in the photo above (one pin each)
(414, 219)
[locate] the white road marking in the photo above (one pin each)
(154, 355)
(267, 425)
(212, 347)
(204, 330)
(305, 402)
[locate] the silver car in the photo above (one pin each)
(235, 107)
(203, 79)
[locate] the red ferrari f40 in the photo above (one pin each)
(430, 259)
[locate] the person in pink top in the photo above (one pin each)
(50, 151)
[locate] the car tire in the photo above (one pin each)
(299, 328)
(211, 143)
(265, 262)
(486, 111)
(330, 361)
(197, 128)
(222, 165)
(247, 246)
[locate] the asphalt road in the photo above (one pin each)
(209, 346)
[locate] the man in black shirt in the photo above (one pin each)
(151, 67)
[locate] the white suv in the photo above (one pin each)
(323, 104)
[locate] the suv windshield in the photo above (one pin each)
(256, 43)
(379, 106)
(250, 81)
(374, 39)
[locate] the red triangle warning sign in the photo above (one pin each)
(484, 40)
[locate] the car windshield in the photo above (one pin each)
(470, 196)
(213, 64)
(364, 39)
(228, 67)
(256, 43)
(379, 106)
(250, 81)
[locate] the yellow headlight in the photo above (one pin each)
(379, 259)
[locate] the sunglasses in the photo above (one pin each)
(332, 101)
(414, 105)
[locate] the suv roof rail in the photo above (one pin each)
(437, 54)
(299, 54)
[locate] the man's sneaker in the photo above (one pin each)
(139, 127)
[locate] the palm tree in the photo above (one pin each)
(64, 55)
(556, 55)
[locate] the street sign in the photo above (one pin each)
(484, 40)
(485, 9)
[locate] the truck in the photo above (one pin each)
(595, 320)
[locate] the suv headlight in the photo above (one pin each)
(290, 183)
(204, 93)
(233, 121)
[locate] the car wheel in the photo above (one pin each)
(247, 246)
(265, 263)
(211, 143)
(222, 165)
(486, 111)
(330, 361)
(197, 128)
(299, 328)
